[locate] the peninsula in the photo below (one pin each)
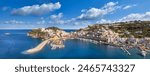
(52, 36)
(125, 35)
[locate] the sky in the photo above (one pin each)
(69, 14)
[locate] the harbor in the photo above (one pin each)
(74, 49)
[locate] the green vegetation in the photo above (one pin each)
(54, 28)
(38, 33)
(138, 29)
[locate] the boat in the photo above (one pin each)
(143, 53)
(7, 33)
(143, 50)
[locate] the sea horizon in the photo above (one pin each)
(37, 28)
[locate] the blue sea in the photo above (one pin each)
(12, 45)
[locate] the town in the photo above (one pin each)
(125, 35)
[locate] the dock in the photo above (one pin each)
(37, 48)
(42, 45)
(125, 50)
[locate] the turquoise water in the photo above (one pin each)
(12, 46)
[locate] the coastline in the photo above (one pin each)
(100, 42)
(97, 34)
(74, 48)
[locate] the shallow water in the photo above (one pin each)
(13, 44)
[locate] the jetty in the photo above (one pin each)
(37, 48)
(52, 41)
(125, 50)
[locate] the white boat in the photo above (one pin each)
(143, 53)
(7, 33)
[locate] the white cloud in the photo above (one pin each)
(41, 22)
(83, 10)
(56, 17)
(13, 22)
(36, 9)
(98, 12)
(81, 23)
(92, 13)
(128, 6)
(57, 22)
(104, 21)
(131, 17)
(136, 16)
